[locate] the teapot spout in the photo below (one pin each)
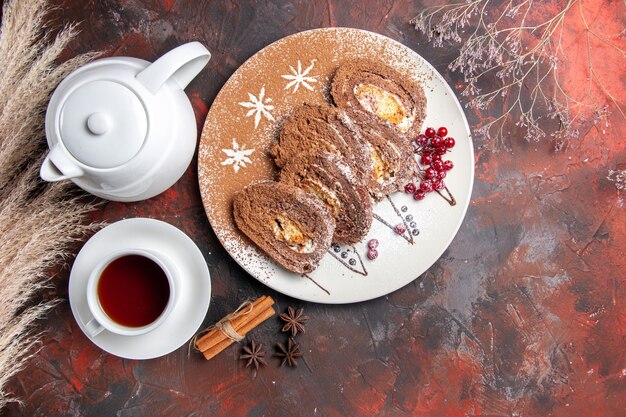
(182, 64)
(57, 167)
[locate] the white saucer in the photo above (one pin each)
(195, 291)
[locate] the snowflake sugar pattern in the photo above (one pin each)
(258, 107)
(299, 77)
(237, 156)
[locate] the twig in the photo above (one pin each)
(525, 56)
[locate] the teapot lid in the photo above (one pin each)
(102, 123)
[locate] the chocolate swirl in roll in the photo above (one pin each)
(327, 177)
(398, 102)
(390, 153)
(291, 226)
(311, 129)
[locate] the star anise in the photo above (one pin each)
(289, 353)
(254, 354)
(294, 321)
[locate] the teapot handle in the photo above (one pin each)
(56, 167)
(182, 63)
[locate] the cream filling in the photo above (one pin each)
(379, 172)
(307, 247)
(383, 104)
(290, 232)
(324, 194)
(382, 172)
(406, 123)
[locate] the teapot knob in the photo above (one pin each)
(98, 123)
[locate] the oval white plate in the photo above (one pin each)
(194, 295)
(232, 133)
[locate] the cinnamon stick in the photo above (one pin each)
(266, 314)
(216, 336)
(216, 341)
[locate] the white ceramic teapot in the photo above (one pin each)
(122, 128)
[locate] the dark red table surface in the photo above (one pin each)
(522, 316)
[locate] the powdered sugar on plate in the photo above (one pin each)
(249, 112)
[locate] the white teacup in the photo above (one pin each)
(101, 320)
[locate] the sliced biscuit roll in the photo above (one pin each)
(311, 129)
(291, 226)
(385, 95)
(390, 153)
(327, 177)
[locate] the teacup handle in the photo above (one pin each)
(93, 328)
(182, 64)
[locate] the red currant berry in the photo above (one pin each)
(410, 188)
(419, 195)
(430, 132)
(441, 174)
(440, 185)
(399, 228)
(450, 142)
(441, 151)
(431, 173)
(421, 140)
(372, 244)
(425, 159)
(448, 165)
(436, 142)
(426, 186)
(372, 254)
(435, 157)
(438, 165)
(442, 131)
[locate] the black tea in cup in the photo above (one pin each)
(133, 290)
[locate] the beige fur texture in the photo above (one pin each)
(38, 221)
